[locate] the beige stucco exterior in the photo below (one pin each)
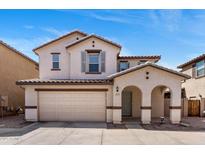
(194, 89)
(13, 67)
(136, 100)
(195, 86)
(144, 98)
(45, 58)
(70, 59)
(111, 53)
(156, 78)
(146, 103)
(32, 98)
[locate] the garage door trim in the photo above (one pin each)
(87, 90)
(70, 90)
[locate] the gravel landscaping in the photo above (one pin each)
(187, 124)
(13, 122)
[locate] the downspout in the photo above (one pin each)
(69, 65)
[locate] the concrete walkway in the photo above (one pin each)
(96, 133)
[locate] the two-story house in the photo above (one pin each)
(194, 88)
(84, 78)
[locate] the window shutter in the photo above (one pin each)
(103, 61)
(83, 61)
(118, 66)
(194, 71)
(128, 65)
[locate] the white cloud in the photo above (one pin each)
(172, 19)
(53, 31)
(168, 19)
(192, 42)
(111, 18)
(126, 52)
(28, 26)
(193, 55)
(168, 65)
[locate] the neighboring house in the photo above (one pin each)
(83, 78)
(14, 66)
(194, 88)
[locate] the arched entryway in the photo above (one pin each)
(160, 101)
(131, 102)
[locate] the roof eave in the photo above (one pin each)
(105, 82)
(89, 36)
(185, 76)
(59, 38)
(18, 52)
(156, 57)
(194, 60)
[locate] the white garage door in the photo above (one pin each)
(72, 106)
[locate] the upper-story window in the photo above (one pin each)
(55, 61)
(124, 65)
(93, 63)
(200, 68)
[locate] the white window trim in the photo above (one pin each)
(123, 62)
(58, 61)
(88, 62)
(203, 68)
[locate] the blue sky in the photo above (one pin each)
(176, 35)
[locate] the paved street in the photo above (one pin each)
(96, 133)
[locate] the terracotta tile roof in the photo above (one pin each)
(145, 65)
(96, 36)
(140, 57)
(65, 82)
(18, 52)
(61, 37)
(201, 57)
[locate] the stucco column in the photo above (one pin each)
(185, 107)
(175, 106)
(117, 105)
(202, 106)
(146, 107)
(31, 104)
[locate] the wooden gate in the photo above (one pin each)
(193, 107)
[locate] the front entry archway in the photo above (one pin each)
(131, 102)
(161, 97)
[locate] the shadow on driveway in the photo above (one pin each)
(9, 132)
(195, 125)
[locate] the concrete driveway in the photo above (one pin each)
(95, 133)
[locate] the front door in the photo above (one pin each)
(126, 103)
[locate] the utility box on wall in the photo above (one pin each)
(4, 101)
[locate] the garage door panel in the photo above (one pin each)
(72, 106)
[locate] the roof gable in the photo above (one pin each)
(153, 57)
(138, 67)
(59, 38)
(91, 36)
